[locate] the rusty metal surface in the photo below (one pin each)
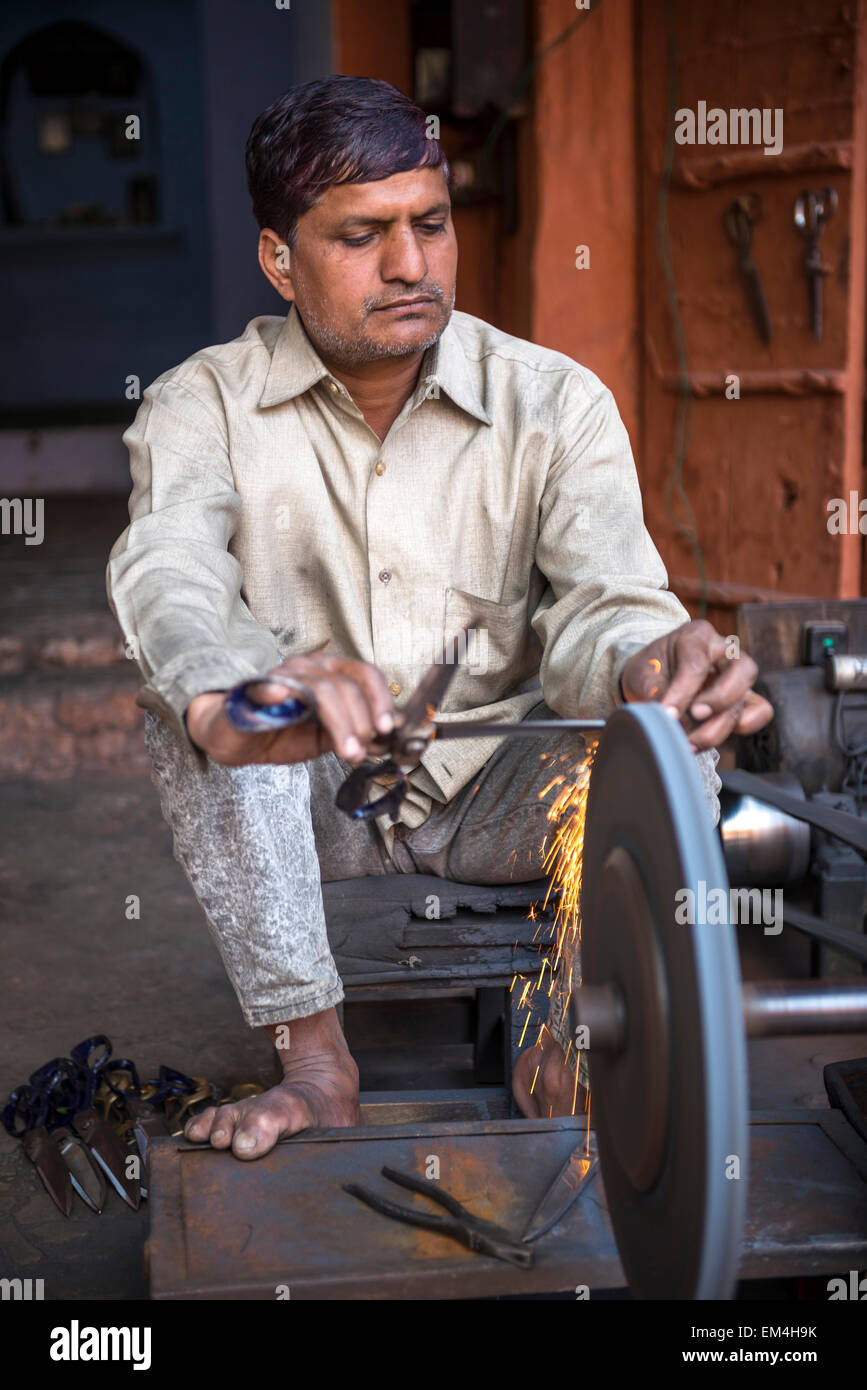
(808, 1201)
(224, 1229)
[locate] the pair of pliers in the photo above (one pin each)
(416, 727)
(484, 1237)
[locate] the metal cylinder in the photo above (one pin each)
(789, 1007)
(845, 672)
(764, 847)
(601, 1009)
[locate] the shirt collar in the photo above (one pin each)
(296, 366)
(295, 363)
(446, 364)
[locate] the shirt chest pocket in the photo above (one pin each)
(500, 650)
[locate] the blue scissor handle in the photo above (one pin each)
(170, 1083)
(28, 1104)
(122, 1064)
(59, 1082)
(90, 1068)
(352, 793)
(246, 715)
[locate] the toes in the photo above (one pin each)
(199, 1127)
(224, 1126)
(522, 1079)
(261, 1127)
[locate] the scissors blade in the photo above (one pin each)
(84, 1175)
(109, 1153)
(757, 299)
(578, 1170)
(432, 687)
(46, 1158)
(146, 1128)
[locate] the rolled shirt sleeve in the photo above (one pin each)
(172, 582)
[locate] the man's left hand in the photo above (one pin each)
(693, 673)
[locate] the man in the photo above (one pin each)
(325, 498)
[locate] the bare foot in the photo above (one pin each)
(554, 1091)
(319, 1090)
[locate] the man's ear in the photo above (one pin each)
(275, 260)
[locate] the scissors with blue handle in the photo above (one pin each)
(40, 1115)
(416, 727)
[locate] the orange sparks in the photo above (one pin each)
(523, 1030)
(534, 1078)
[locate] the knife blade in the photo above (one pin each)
(577, 1172)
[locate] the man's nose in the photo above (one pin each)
(404, 259)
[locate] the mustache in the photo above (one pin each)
(432, 291)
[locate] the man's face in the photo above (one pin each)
(373, 268)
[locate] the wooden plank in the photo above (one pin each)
(816, 156)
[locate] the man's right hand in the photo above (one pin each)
(354, 708)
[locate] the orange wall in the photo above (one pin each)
(585, 161)
(373, 40)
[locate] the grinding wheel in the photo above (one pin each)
(670, 1103)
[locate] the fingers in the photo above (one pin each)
(711, 732)
(353, 703)
(696, 649)
(729, 687)
(756, 714)
(708, 690)
(746, 716)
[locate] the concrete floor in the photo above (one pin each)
(71, 853)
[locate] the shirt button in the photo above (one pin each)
(380, 468)
(395, 688)
(332, 386)
(385, 575)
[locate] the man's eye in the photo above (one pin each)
(432, 226)
(357, 240)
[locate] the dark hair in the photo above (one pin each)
(336, 130)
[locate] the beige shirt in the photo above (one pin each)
(267, 520)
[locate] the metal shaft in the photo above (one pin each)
(789, 1007)
(780, 1008)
